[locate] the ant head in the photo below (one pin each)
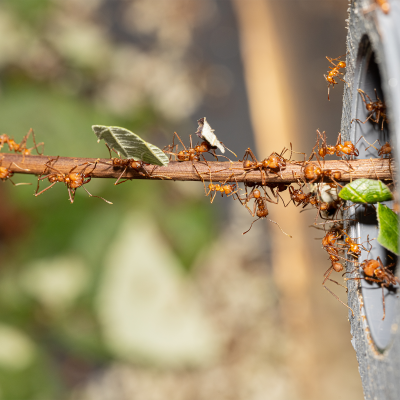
(369, 266)
(324, 206)
(247, 164)
(369, 107)
(135, 164)
(337, 175)
(182, 156)
(204, 147)
(342, 64)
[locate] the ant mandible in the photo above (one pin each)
(377, 107)
(73, 180)
(334, 72)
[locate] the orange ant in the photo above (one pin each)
(73, 180)
(329, 244)
(375, 271)
(313, 172)
(222, 187)
(260, 207)
(191, 153)
(383, 4)
(377, 107)
(7, 174)
(274, 163)
(334, 72)
(21, 147)
(345, 149)
(385, 150)
(136, 165)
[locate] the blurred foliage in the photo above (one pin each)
(52, 253)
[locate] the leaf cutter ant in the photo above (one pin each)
(73, 180)
(377, 108)
(334, 72)
(375, 271)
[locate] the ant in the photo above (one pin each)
(136, 165)
(260, 207)
(313, 172)
(377, 107)
(345, 149)
(383, 4)
(73, 180)
(385, 150)
(222, 187)
(7, 174)
(275, 163)
(191, 153)
(21, 147)
(334, 72)
(329, 244)
(375, 271)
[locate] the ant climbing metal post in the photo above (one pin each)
(375, 271)
(377, 108)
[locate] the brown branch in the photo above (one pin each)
(186, 171)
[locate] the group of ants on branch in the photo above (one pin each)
(308, 182)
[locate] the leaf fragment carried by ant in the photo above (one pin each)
(388, 228)
(366, 191)
(204, 131)
(130, 145)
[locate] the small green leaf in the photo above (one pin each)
(388, 229)
(366, 191)
(130, 145)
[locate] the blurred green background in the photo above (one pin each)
(158, 295)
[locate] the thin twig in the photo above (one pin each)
(185, 171)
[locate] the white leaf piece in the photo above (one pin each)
(130, 145)
(204, 131)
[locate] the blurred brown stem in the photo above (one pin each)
(187, 171)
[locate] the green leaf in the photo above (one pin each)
(130, 145)
(366, 191)
(388, 229)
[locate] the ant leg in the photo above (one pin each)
(36, 146)
(337, 298)
(71, 193)
(250, 226)
(19, 184)
(213, 197)
(117, 182)
(48, 187)
(280, 227)
(179, 140)
(383, 303)
(91, 195)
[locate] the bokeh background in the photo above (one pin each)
(159, 295)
